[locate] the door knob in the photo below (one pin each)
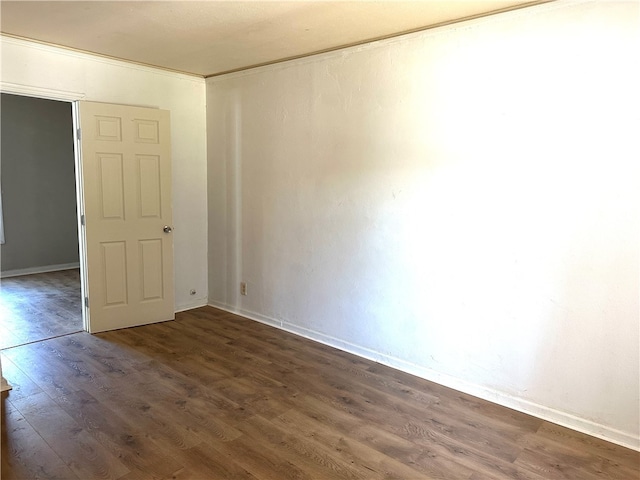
(167, 229)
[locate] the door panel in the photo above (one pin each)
(150, 189)
(114, 265)
(111, 192)
(126, 169)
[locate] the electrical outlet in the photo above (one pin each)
(243, 288)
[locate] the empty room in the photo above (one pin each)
(40, 281)
(336, 240)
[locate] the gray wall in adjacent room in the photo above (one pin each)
(38, 183)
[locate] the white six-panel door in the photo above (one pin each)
(126, 171)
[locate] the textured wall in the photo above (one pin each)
(461, 203)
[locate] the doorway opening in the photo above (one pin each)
(40, 257)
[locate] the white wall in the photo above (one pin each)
(52, 72)
(461, 203)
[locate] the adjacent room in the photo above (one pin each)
(39, 263)
(400, 250)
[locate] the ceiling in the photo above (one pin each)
(213, 37)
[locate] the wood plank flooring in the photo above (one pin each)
(39, 306)
(216, 396)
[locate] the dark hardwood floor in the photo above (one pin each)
(40, 306)
(216, 396)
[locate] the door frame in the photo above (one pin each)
(82, 234)
(72, 98)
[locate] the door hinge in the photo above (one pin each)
(86, 302)
(79, 133)
(82, 220)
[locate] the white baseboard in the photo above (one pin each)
(501, 398)
(34, 270)
(196, 303)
